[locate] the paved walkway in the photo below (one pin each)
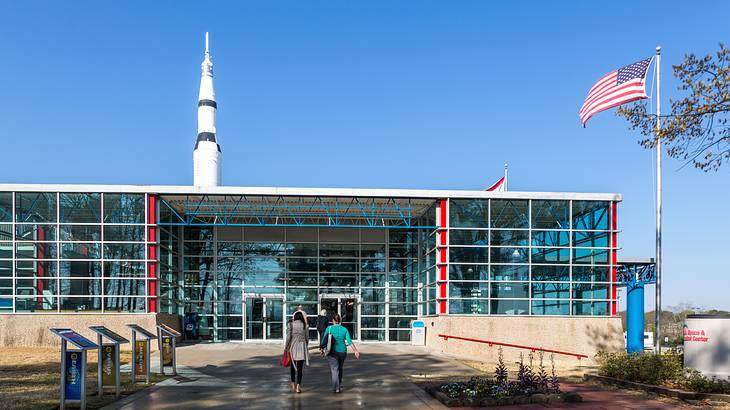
(235, 376)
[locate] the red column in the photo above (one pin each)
(443, 275)
(614, 242)
(152, 253)
(41, 265)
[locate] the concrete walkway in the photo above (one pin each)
(235, 376)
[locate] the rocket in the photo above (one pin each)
(207, 153)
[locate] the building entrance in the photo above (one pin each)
(347, 306)
(264, 318)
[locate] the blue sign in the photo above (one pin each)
(73, 375)
(418, 323)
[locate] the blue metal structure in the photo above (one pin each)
(250, 210)
(635, 275)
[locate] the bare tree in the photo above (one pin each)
(696, 130)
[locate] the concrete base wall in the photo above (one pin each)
(31, 330)
(583, 335)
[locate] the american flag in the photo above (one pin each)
(615, 88)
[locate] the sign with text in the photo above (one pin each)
(140, 358)
(109, 365)
(109, 334)
(167, 350)
(74, 374)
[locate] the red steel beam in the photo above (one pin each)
(532, 348)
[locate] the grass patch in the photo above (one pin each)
(30, 378)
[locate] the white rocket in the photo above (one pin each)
(207, 152)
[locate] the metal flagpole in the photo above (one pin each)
(505, 176)
(658, 309)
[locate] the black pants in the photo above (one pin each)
(296, 368)
(337, 362)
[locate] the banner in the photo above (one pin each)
(72, 388)
(167, 350)
(109, 365)
(140, 358)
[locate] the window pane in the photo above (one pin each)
(468, 272)
(510, 290)
(80, 269)
(591, 274)
(550, 214)
(590, 239)
(73, 233)
(510, 307)
(81, 208)
(550, 273)
(80, 287)
(590, 256)
(468, 213)
(127, 304)
(550, 255)
(550, 238)
(124, 208)
(545, 290)
(590, 308)
(124, 251)
(468, 307)
(6, 207)
(590, 291)
(464, 237)
(468, 289)
(550, 307)
(590, 215)
(124, 287)
(507, 272)
(81, 250)
(36, 250)
(509, 238)
(36, 303)
(509, 213)
(34, 232)
(31, 268)
(124, 269)
(135, 233)
(510, 255)
(36, 287)
(35, 207)
(468, 255)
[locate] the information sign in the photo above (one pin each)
(140, 357)
(169, 330)
(74, 374)
(167, 350)
(75, 338)
(109, 334)
(143, 331)
(109, 365)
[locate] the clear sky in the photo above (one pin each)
(382, 94)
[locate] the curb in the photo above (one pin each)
(665, 391)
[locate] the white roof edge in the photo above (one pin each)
(287, 191)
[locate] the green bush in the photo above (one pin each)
(666, 370)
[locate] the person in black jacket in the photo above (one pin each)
(322, 322)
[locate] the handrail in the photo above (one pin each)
(531, 348)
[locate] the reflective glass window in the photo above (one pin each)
(124, 209)
(468, 307)
(127, 304)
(124, 287)
(510, 213)
(590, 215)
(35, 286)
(35, 250)
(550, 307)
(6, 207)
(31, 268)
(590, 239)
(550, 214)
(468, 289)
(6, 250)
(550, 273)
(469, 213)
(35, 232)
(590, 256)
(510, 255)
(591, 273)
(509, 238)
(35, 207)
(80, 250)
(550, 238)
(468, 237)
(80, 207)
(6, 232)
(550, 255)
(507, 272)
(135, 233)
(36, 303)
(468, 272)
(124, 251)
(124, 269)
(510, 307)
(548, 290)
(80, 287)
(590, 308)
(80, 269)
(510, 290)
(590, 291)
(74, 233)
(469, 255)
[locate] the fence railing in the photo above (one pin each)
(531, 348)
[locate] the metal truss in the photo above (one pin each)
(633, 273)
(254, 210)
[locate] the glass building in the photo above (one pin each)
(244, 259)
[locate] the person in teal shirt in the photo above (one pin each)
(336, 359)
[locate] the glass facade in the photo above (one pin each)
(107, 252)
(73, 252)
(530, 257)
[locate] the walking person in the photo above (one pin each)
(297, 345)
(341, 340)
(322, 322)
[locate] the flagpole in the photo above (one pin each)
(505, 176)
(658, 309)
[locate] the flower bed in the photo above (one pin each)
(532, 385)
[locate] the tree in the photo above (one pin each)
(697, 128)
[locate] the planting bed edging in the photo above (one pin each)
(681, 394)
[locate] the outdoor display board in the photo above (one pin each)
(109, 334)
(109, 365)
(140, 329)
(141, 364)
(73, 366)
(166, 350)
(74, 374)
(166, 343)
(74, 338)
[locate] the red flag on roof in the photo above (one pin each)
(498, 186)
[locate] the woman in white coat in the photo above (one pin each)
(297, 345)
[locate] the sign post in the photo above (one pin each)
(140, 352)
(73, 367)
(166, 342)
(108, 374)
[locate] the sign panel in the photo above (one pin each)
(74, 374)
(74, 338)
(169, 330)
(167, 350)
(142, 331)
(140, 358)
(113, 336)
(109, 365)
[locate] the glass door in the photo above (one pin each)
(347, 307)
(264, 318)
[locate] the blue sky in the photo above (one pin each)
(380, 94)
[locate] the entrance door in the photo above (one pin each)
(347, 308)
(264, 318)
